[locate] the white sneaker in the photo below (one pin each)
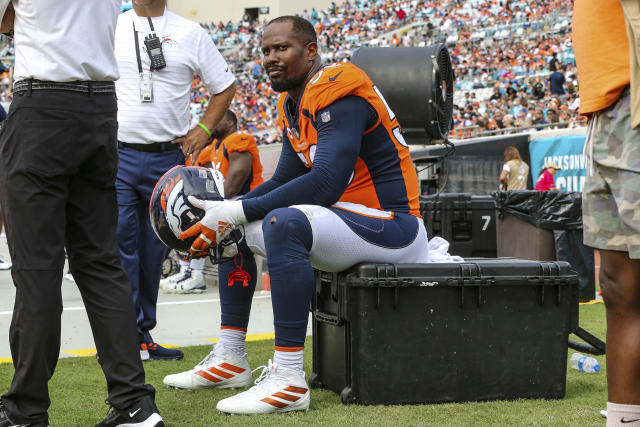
(4, 265)
(222, 368)
(174, 277)
(277, 389)
(192, 283)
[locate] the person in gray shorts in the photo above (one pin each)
(611, 204)
(606, 59)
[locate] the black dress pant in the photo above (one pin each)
(58, 162)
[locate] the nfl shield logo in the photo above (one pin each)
(325, 117)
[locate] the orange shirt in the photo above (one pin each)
(203, 157)
(237, 141)
(601, 48)
(384, 176)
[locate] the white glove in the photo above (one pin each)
(220, 218)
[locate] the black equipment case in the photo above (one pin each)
(444, 332)
(467, 222)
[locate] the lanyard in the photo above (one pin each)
(137, 43)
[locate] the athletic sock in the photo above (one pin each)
(197, 264)
(623, 415)
(184, 262)
(289, 357)
(233, 339)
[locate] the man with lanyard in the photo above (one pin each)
(158, 53)
(345, 191)
(57, 186)
(235, 154)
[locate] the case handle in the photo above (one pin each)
(327, 318)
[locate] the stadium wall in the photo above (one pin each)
(217, 10)
(474, 167)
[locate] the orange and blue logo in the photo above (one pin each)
(168, 41)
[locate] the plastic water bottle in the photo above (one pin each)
(584, 363)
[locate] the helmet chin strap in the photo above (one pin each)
(229, 247)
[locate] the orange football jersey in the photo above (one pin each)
(384, 176)
(219, 157)
(203, 158)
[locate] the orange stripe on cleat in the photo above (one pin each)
(220, 373)
(233, 328)
(231, 368)
(289, 397)
(296, 389)
(206, 376)
(287, 348)
(274, 402)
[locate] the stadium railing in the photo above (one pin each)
(526, 129)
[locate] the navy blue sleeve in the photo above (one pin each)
(289, 167)
(338, 147)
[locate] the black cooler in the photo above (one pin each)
(467, 222)
(444, 332)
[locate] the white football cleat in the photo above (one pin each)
(222, 368)
(192, 283)
(277, 389)
(5, 265)
(174, 277)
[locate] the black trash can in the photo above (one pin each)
(545, 226)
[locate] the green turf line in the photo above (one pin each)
(78, 391)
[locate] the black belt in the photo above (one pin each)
(76, 86)
(155, 147)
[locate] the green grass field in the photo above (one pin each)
(78, 391)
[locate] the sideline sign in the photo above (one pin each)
(566, 151)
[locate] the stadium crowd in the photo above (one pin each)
(503, 53)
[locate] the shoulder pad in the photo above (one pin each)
(331, 83)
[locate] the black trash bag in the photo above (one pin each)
(549, 210)
(561, 212)
(570, 247)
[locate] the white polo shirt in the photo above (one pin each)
(64, 40)
(187, 50)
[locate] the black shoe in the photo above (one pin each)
(143, 413)
(4, 418)
(6, 422)
(158, 352)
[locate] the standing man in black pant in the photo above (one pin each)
(153, 113)
(57, 188)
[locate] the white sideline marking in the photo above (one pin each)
(201, 301)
